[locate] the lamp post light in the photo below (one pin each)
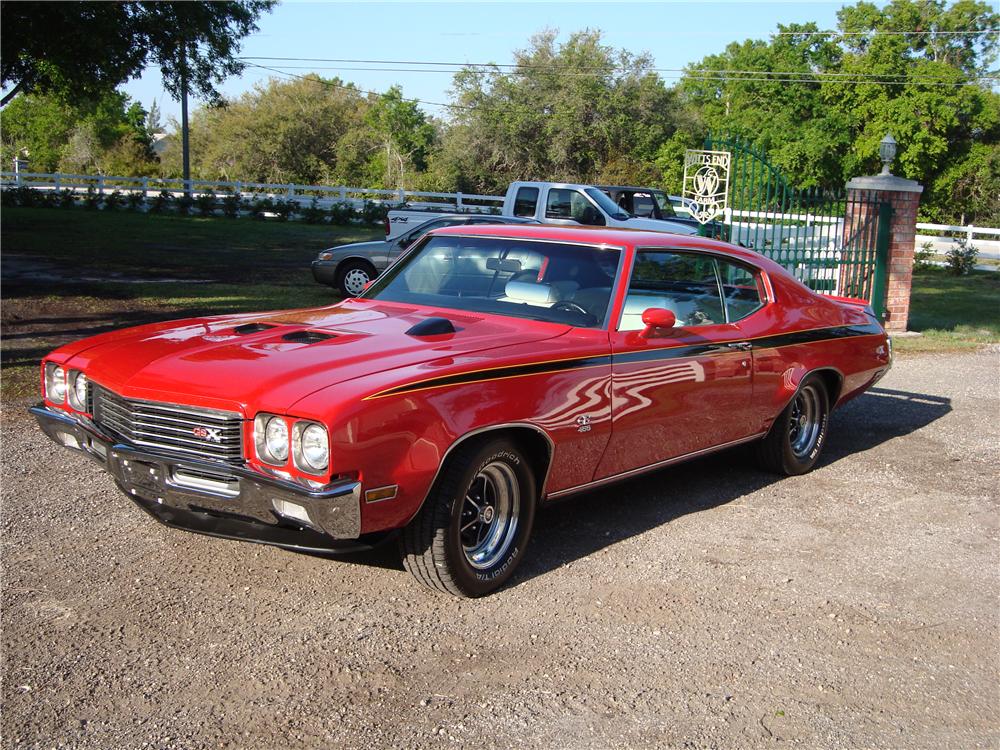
(887, 152)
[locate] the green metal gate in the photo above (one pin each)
(834, 242)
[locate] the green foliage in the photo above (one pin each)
(161, 202)
(821, 133)
(570, 111)
(404, 137)
(342, 213)
(231, 205)
(374, 213)
(84, 50)
(66, 199)
(962, 257)
(113, 200)
(922, 257)
(206, 203)
(183, 204)
(313, 213)
(135, 200)
(92, 200)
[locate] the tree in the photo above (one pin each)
(404, 136)
(572, 111)
(76, 136)
(920, 85)
(85, 49)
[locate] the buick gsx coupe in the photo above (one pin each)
(487, 371)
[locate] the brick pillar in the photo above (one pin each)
(904, 197)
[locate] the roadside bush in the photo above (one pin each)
(313, 214)
(205, 203)
(261, 206)
(184, 202)
(66, 198)
(962, 258)
(113, 200)
(231, 205)
(8, 197)
(25, 196)
(48, 198)
(135, 200)
(374, 213)
(285, 209)
(161, 202)
(92, 200)
(922, 257)
(341, 213)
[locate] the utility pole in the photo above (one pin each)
(185, 145)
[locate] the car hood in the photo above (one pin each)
(269, 361)
(661, 225)
(372, 246)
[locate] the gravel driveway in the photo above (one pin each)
(708, 605)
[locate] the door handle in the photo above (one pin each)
(743, 346)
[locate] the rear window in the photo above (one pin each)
(525, 202)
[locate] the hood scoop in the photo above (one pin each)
(252, 328)
(432, 327)
(307, 336)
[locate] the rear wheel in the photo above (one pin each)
(472, 530)
(796, 438)
(353, 275)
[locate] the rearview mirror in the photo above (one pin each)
(656, 318)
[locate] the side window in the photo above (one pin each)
(684, 283)
(559, 204)
(642, 205)
(741, 290)
(525, 201)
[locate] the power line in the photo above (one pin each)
(723, 76)
(455, 67)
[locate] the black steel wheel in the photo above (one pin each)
(795, 440)
(473, 528)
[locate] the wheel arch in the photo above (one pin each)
(539, 450)
(832, 378)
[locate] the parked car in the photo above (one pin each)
(652, 203)
(491, 370)
(562, 203)
(349, 267)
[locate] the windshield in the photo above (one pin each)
(609, 207)
(554, 282)
(666, 207)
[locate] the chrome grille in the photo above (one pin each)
(170, 428)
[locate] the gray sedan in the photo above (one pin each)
(349, 267)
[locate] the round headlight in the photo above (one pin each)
(78, 397)
(276, 438)
(315, 448)
(57, 385)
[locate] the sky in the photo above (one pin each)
(675, 33)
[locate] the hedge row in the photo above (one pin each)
(204, 204)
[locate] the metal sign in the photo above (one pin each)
(706, 183)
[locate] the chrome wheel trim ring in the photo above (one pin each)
(355, 280)
(489, 516)
(805, 423)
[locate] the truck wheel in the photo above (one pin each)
(796, 438)
(473, 529)
(353, 275)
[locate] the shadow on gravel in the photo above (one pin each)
(584, 524)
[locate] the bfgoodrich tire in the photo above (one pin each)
(796, 439)
(472, 530)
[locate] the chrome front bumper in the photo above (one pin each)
(216, 499)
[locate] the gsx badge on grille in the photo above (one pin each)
(208, 433)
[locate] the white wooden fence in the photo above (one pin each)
(326, 195)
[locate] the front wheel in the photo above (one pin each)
(353, 276)
(796, 438)
(472, 530)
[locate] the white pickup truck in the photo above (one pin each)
(551, 203)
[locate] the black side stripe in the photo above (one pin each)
(676, 352)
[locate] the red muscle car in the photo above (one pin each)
(487, 371)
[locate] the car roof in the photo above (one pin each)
(636, 188)
(624, 238)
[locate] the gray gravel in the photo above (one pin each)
(709, 605)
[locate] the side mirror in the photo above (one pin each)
(656, 318)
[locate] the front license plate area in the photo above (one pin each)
(141, 474)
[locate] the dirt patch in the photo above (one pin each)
(708, 605)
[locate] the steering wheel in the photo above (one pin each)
(572, 307)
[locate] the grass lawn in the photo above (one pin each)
(952, 312)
